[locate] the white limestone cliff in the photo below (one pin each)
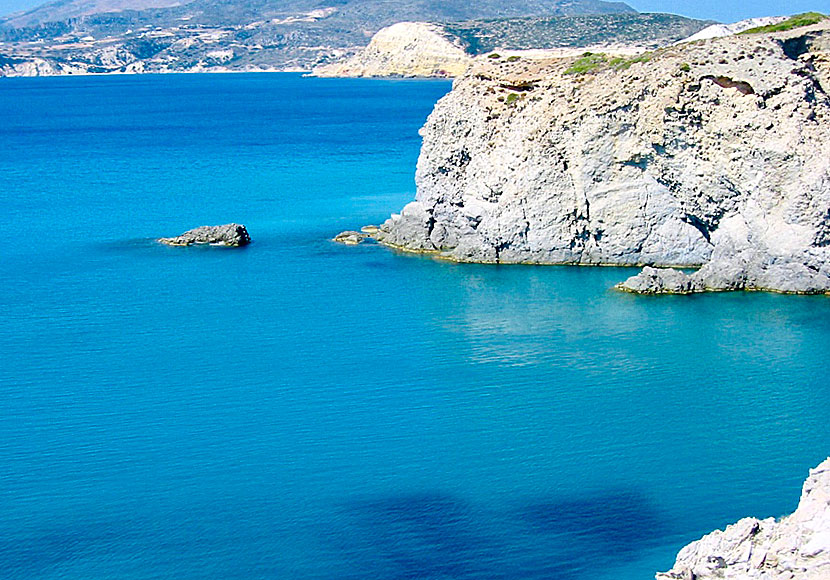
(405, 49)
(712, 154)
(795, 548)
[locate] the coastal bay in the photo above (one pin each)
(296, 408)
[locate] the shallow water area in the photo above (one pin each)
(301, 409)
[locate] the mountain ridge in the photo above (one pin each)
(207, 35)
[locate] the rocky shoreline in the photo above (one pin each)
(711, 155)
(796, 547)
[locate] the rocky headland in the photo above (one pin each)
(796, 547)
(712, 155)
(233, 235)
(405, 49)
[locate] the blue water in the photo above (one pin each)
(299, 409)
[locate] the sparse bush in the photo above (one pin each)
(494, 55)
(513, 58)
(685, 67)
(586, 63)
(512, 98)
(645, 57)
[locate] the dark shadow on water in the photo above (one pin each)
(615, 522)
(434, 535)
(44, 554)
(424, 535)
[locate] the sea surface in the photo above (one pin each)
(300, 409)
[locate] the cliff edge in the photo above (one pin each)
(795, 548)
(713, 154)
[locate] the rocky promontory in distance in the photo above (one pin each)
(431, 49)
(231, 235)
(796, 547)
(712, 154)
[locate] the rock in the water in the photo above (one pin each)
(795, 548)
(713, 154)
(233, 235)
(350, 238)
(661, 281)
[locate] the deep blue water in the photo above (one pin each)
(299, 409)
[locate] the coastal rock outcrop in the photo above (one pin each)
(233, 235)
(796, 547)
(350, 238)
(713, 154)
(405, 49)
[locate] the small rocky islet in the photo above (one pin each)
(230, 235)
(711, 155)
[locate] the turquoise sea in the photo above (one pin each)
(299, 409)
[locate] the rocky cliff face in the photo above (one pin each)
(406, 49)
(713, 154)
(795, 548)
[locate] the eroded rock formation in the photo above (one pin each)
(712, 154)
(405, 49)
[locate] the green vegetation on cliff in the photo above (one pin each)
(586, 63)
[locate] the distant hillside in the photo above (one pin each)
(367, 16)
(67, 9)
(132, 36)
(478, 37)
(420, 49)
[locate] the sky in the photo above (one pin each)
(721, 10)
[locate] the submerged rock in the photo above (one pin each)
(795, 548)
(711, 155)
(350, 238)
(233, 235)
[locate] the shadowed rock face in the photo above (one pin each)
(233, 235)
(713, 154)
(795, 548)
